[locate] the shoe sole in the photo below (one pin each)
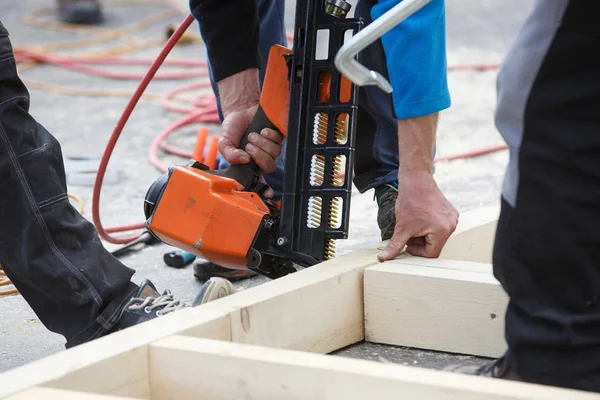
(204, 274)
(213, 289)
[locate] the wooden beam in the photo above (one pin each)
(38, 393)
(474, 238)
(125, 374)
(451, 306)
(185, 368)
(319, 309)
(101, 353)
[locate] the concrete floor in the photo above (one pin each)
(479, 31)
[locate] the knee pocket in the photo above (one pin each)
(34, 167)
(44, 170)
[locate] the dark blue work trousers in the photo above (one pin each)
(51, 253)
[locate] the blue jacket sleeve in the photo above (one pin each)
(415, 53)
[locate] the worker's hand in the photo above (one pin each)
(239, 95)
(424, 218)
(264, 146)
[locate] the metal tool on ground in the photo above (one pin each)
(145, 239)
(178, 258)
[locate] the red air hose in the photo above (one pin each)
(104, 233)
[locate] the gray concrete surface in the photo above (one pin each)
(479, 31)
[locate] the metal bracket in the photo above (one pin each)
(345, 59)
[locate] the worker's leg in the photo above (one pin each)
(272, 31)
(547, 252)
(48, 250)
(547, 248)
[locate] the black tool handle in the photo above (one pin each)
(259, 122)
(248, 174)
(145, 238)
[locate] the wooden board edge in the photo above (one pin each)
(473, 239)
(435, 308)
(39, 393)
(181, 367)
(321, 317)
(211, 320)
(330, 292)
(61, 365)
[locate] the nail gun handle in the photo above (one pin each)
(248, 174)
(259, 122)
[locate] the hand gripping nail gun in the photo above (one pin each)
(221, 216)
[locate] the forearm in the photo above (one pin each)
(416, 140)
(424, 217)
(239, 91)
(230, 30)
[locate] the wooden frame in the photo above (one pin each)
(272, 341)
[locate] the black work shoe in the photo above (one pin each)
(85, 12)
(204, 270)
(498, 368)
(386, 214)
(147, 304)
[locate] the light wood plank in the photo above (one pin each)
(474, 237)
(439, 308)
(317, 310)
(38, 393)
(471, 266)
(186, 368)
(320, 316)
(60, 367)
(125, 374)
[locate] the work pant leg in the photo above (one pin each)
(48, 250)
(547, 248)
(376, 159)
(271, 14)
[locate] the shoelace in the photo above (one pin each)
(166, 301)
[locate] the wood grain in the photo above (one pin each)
(193, 368)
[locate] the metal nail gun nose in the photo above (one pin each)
(221, 215)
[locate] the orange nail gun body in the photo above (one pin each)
(221, 216)
(208, 215)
